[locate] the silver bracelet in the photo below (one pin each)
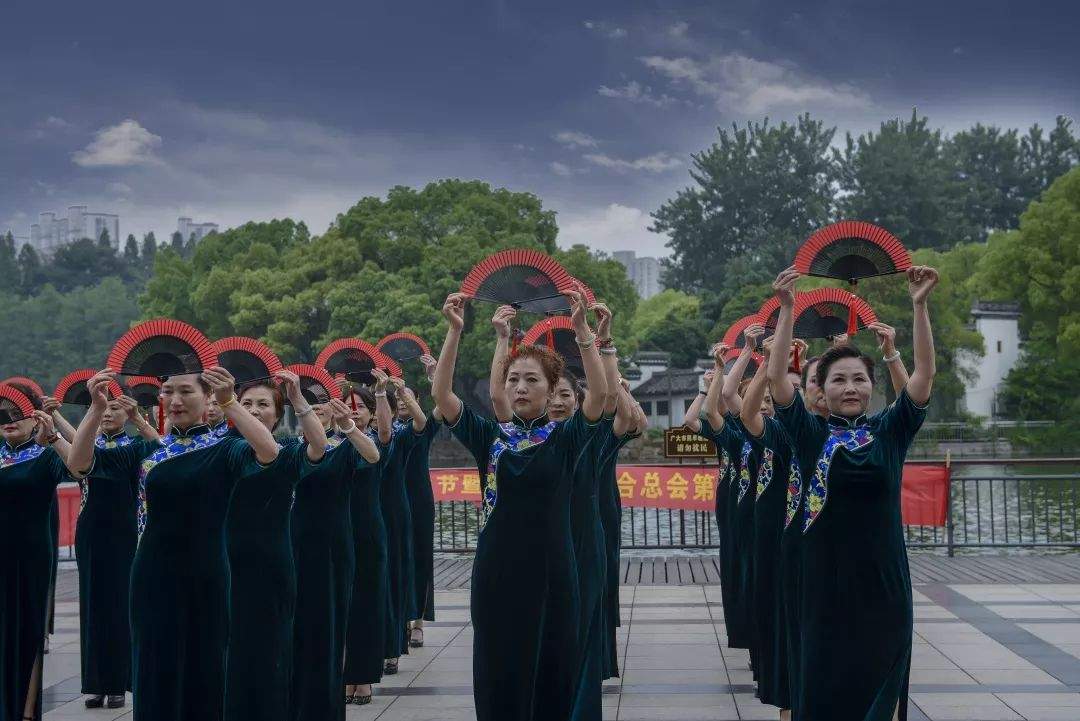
(347, 432)
(609, 350)
(891, 358)
(301, 414)
(380, 394)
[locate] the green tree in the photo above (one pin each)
(759, 191)
(177, 242)
(9, 267)
(900, 179)
(30, 272)
(149, 250)
(131, 251)
(987, 161)
(1045, 159)
(104, 240)
(671, 321)
(83, 263)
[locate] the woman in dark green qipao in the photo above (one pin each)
(856, 613)
(105, 538)
(180, 576)
(31, 466)
(369, 609)
(262, 592)
(325, 561)
(525, 604)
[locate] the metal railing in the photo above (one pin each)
(1030, 511)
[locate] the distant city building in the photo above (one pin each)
(52, 232)
(186, 228)
(999, 326)
(644, 273)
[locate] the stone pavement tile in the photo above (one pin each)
(941, 677)
(676, 700)
(929, 658)
(750, 708)
(448, 700)
(991, 593)
(1055, 592)
(989, 656)
(670, 612)
(1041, 611)
(633, 677)
(77, 711)
(1050, 706)
(1054, 633)
(934, 611)
(369, 711)
(404, 713)
(649, 651)
(704, 713)
(687, 662)
(638, 638)
(444, 678)
(964, 707)
(992, 677)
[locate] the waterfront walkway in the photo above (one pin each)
(995, 638)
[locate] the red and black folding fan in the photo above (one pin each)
(14, 405)
(249, 360)
(72, 388)
(401, 347)
(756, 359)
(825, 312)
(162, 348)
(28, 383)
(525, 279)
(590, 297)
(733, 336)
(316, 384)
(146, 390)
(355, 359)
(557, 333)
(850, 250)
(768, 315)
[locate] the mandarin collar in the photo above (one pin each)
(541, 420)
(25, 444)
(114, 437)
(192, 431)
(848, 424)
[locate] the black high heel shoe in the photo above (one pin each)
(115, 701)
(413, 641)
(95, 701)
(391, 667)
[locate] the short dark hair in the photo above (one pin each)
(807, 363)
(836, 353)
(275, 393)
(367, 397)
(577, 385)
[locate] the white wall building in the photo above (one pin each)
(998, 324)
(644, 273)
(52, 232)
(185, 227)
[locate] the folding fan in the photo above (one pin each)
(768, 315)
(162, 348)
(756, 359)
(733, 337)
(28, 383)
(146, 390)
(316, 384)
(248, 359)
(72, 388)
(826, 312)
(355, 359)
(14, 405)
(525, 279)
(590, 297)
(850, 250)
(401, 347)
(557, 333)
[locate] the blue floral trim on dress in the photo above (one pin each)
(10, 458)
(171, 447)
(725, 469)
(514, 438)
(817, 490)
(222, 429)
(118, 441)
(765, 473)
(794, 492)
(744, 471)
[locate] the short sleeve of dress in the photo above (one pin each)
(577, 432)
(121, 461)
(804, 429)
(475, 432)
(902, 420)
(428, 434)
(58, 471)
(240, 458)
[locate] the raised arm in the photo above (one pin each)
(442, 384)
(419, 420)
(46, 435)
(784, 286)
(429, 363)
(596, 384)
(310, 425)
(502, 321)
(52, 407)
(755, 393)
(131, 409)
(753, 335)
(251, 428)
(886, 336)
(714, 411)
(81, 455)
(383, 414)
(692, 419)
(341, 417)
(609, 358)
(921, 280)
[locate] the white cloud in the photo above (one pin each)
(635, 92)
(605, 29)
(655, 163)
(736, 81)
(561, 169)
(679, 29)
(125, 144)
(119, 188)
(54, 122)
(574, 139)
(610, 228)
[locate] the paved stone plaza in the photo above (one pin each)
(982, 652)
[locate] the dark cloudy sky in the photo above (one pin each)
(232, 113)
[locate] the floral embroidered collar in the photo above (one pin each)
(520, 422)
(177, 443)
(116, 440)
(836, 421)
(512, 437)
(191, 432)
(851, 438)
(26, 451)
(222, 429)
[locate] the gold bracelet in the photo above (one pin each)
(226, 404)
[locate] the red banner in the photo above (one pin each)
(69, 496)
(924, 497)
